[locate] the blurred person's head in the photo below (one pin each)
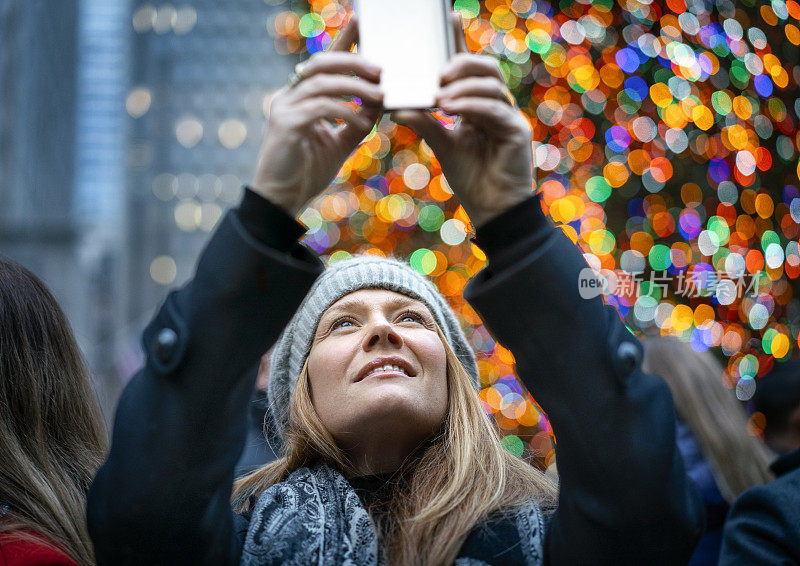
(777, 397)
(52, 435)
(712, 412)
(380, 358)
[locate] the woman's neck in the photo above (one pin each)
(383, 457)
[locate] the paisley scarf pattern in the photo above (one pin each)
(316, 517)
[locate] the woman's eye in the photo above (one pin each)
(342, 323)
(412, 316)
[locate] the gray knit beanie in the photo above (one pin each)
(338, 280)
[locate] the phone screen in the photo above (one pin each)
(411, 40)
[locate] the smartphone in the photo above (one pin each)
(411, 40)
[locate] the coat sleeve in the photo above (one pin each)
(163, 495)
(624, 496)
(761, 527)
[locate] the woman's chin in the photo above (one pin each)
(391, 394)
(400, 402)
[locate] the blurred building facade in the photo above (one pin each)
(99, 200)
(202, 74)
(127, 128)
(37, 138)
(64, 76)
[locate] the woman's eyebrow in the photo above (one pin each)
(406, 303)
(361, 306)
(347, 306)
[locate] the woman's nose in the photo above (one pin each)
(382, 333)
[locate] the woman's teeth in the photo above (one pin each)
(388, 367)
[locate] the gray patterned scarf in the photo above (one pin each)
(316, 517)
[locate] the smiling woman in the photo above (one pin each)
(384, 393)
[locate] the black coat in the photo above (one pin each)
(259, 448)
(163, 495)
(763, 526)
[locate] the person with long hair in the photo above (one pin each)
(52, 434)
(777, 398)
(388, 455)
(721, 456)
(763, 525)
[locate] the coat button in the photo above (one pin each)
(165, 344)
(628, 357)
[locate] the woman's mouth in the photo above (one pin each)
(386, 366)
(386, 369)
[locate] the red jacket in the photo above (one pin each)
(24, 552)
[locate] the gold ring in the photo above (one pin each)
(297, 76)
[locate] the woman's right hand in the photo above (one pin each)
(302, 150)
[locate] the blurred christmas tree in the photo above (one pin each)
(666, 145)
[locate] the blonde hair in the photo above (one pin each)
(738, 460)
(460, 477)
(52, 434)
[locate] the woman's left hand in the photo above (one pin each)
(487, 157)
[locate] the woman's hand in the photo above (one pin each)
(302, 150)
(487, 158)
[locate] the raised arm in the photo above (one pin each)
(624, 497)
(163, 496)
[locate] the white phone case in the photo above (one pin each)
(411, 40)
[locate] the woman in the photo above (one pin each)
(720, 455)
(382, 342)
(52, 435)
(389, 457)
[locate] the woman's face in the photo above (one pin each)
(378, 367)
